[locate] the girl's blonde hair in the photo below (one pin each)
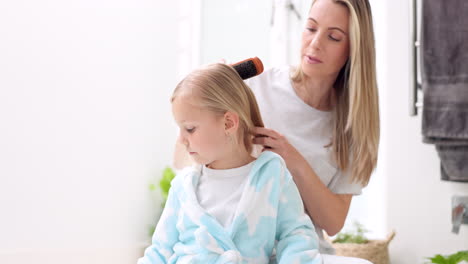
(219, 88)
(356, 114)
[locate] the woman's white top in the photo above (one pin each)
(219, 191)
(309, 130)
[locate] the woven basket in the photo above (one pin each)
(376, 251)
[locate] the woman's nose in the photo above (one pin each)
(316, 42)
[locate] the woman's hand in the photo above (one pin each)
(276, 142)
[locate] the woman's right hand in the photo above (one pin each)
(274, 141)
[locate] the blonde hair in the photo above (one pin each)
(356, 129)
(219, 88)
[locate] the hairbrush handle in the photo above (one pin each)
(249, 67)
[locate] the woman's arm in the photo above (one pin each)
(327, 209)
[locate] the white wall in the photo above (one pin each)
(418, 202)
(85, 124)
(234, 30)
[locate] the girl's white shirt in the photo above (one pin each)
(219, 191)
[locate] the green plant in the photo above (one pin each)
(450, 259)
(164, 185)
(355, 235)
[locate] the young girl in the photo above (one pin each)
(231, 208)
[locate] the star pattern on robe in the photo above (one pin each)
(261, 197)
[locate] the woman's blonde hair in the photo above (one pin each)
(219, 88)
(356, 114)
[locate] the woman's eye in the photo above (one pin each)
(333, 38)
(190, 130)
(311, 29)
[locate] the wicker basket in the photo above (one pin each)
(376, 251)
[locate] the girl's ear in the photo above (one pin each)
(231, 122)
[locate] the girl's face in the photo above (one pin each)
(201, 131)
(325, 40)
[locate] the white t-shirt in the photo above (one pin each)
(219, 191)
(309, 130)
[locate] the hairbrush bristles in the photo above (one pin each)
(249, 68)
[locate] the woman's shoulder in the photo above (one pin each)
(270, 75)
(278, 72)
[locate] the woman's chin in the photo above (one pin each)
(314, 70)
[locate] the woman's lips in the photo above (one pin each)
(312, 60)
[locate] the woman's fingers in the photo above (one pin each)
(267, 142)
(266, 132)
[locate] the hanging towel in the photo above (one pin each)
(445, 84)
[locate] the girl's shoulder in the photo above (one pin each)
(271, 164)
(185, 174)
(269, 156)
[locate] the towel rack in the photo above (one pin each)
(414, 84)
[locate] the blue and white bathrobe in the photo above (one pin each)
(270, 215)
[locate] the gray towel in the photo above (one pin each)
(445, 84)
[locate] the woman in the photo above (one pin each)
(322, 116)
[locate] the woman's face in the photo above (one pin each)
(325, 40)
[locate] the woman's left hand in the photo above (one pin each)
(273, 141)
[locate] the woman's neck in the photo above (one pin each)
(317, 93)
